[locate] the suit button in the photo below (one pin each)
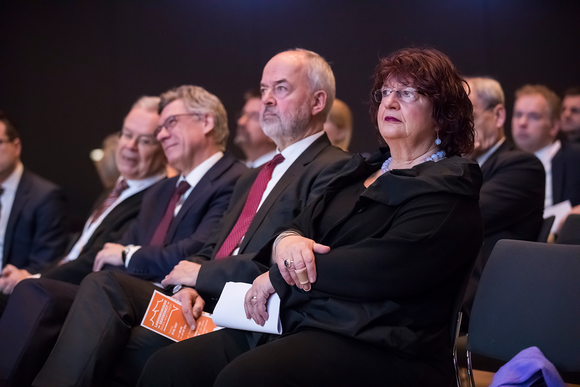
(361, 209)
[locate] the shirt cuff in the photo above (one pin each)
(130, 250)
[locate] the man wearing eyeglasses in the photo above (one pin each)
(258, 148)
(512, 195)
(176, 218)
(32, 214)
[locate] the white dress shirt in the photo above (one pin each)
(10, 186)
(546, 154)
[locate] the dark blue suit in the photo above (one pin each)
(566, 174)
(36, 231)
(187, 233)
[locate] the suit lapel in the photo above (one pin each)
(295, 170)
(20, 200)
(489, 166)
(199, 191)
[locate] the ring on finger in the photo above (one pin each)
(254, 299)
(288, 263)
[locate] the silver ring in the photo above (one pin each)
(288, 263)
(254, 298)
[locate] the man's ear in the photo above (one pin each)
(208, 123)
(555, 128)
(499, 113)
(18, 146)
(319, 99)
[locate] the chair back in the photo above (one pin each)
(570, 232)
(546, 228)
(529, 296)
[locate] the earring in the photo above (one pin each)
(438, 140)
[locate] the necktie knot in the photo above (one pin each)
(182, 187)
(120, 186)
(276, 160)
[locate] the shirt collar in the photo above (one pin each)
(198, 172)
(293, 151)
(547, 153)
(11, 184)
(144, 183)
(483, 158)
(261, 160)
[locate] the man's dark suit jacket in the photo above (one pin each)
(188, 231)
(36, 231)
(303, 181)
(566, 174)
(111, 229)
(511, 202)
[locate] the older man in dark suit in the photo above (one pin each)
(512, 195)
(176, 217)
(32, 213)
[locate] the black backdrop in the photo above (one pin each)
(70, 70)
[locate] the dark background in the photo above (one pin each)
(70, 70)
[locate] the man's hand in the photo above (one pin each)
(295, 257)
(191, 305)
(110, 254)
(185, 273)
(11, 276)
(256, 300)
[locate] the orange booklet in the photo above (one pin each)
(164, 316)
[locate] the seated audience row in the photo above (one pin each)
(367, 255)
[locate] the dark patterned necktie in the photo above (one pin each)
(114, 195)
(254, 197)
(161, 231)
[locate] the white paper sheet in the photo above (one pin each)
(229, 311)
(560, 211)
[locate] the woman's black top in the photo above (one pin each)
(399, 252)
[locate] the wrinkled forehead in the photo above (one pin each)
(398, 81)
(286, 66)
(140, 121)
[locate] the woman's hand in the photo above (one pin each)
(295, 258)
(191, 305)
(256, 300)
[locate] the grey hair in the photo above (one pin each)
(488, 90)
(149, 104)
(199, 100)
(320, 76)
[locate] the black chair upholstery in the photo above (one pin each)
(546, 227)
(570, 232)
(529, 296)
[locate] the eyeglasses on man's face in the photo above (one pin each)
(171, 122)
(406, 95)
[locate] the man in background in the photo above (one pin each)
(512, 195)
(258, 148)
(32, 216)
(570, 117)
(535, 128)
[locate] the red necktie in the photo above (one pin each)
(161, 231)
(250, 208)
(120, 186)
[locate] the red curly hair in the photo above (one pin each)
(432, 74)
